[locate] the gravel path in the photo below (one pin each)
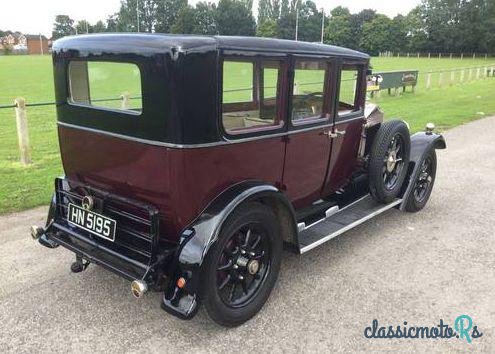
(419, 268)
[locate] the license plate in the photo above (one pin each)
(92, 222)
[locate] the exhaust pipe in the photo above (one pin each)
(37, 231)
(138, 288)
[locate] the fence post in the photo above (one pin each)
(474, 55)
(428, 81)
(477, 73)
(486, 56)
(22, 130)
(126, 97)
(450, 55)
(429, 55)
(470, 74)
(418, 55)
(452, 77)
(440, 79)
(439, 55)
(408, 55)
(461, 79)
(462, 55)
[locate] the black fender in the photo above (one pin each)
(421, 143)
(202, 234)
(52, 214)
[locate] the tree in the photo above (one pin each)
(205, 22)
(112, 23)
(339, 30)
(398, 35)
(268, 10)
(83, 26)
(234, 18)
(269, 28)
(376, 35)
(167, 12)
(130, 10)
(99, 27)
(185, 22)
(357, 23)
(309, 22)
(62, 27)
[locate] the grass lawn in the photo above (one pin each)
(31, 77)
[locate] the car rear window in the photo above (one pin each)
(106, 85)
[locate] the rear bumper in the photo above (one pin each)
(97, 253)
(135, 254)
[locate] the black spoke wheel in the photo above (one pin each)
(389, 160)
(423, 184)
(243, 264)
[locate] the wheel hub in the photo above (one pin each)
(391, 161)
(253, 266)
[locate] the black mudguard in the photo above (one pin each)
(421, 143)
(199, 237)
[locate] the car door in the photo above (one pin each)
(348, 124)
(309, 116)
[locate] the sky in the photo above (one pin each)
(37, 16)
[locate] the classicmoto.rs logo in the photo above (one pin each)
(463, 329)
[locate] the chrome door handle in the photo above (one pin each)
(336, 134)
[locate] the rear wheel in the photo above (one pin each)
(243, 265)
(389, 159)
(424, 183)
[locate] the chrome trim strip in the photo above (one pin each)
(202, 145)
(350, 226)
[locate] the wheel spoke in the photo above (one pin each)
(224, 283)
(256, 242)
(232, 291)
(244, 286)
(248, 236)
(226, 266)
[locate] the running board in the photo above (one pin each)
(343, 220)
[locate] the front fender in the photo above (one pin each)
(199, 237)
(421, 143)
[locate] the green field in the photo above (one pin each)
(31, 77)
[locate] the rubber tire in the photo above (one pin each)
(216, 308)
(412, 205)
(379, 150)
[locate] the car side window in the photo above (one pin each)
(308, 95)
(349, 83)
(250, 95)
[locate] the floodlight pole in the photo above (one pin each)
(41, 45)
(297, 21)
(322, 23)
(137, 14)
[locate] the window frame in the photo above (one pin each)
(257, 91)
(328, 96)
(129, 112)
(358, 111)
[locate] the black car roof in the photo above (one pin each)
(143, 43)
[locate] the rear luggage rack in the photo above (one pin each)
(134, 252)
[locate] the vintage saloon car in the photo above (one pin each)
(191, 162)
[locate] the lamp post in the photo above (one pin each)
(297, 22)
(137, 14)
(322, 23)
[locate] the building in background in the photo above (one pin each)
(36, 44)
(18, 43)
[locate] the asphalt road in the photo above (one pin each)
(419, 268)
